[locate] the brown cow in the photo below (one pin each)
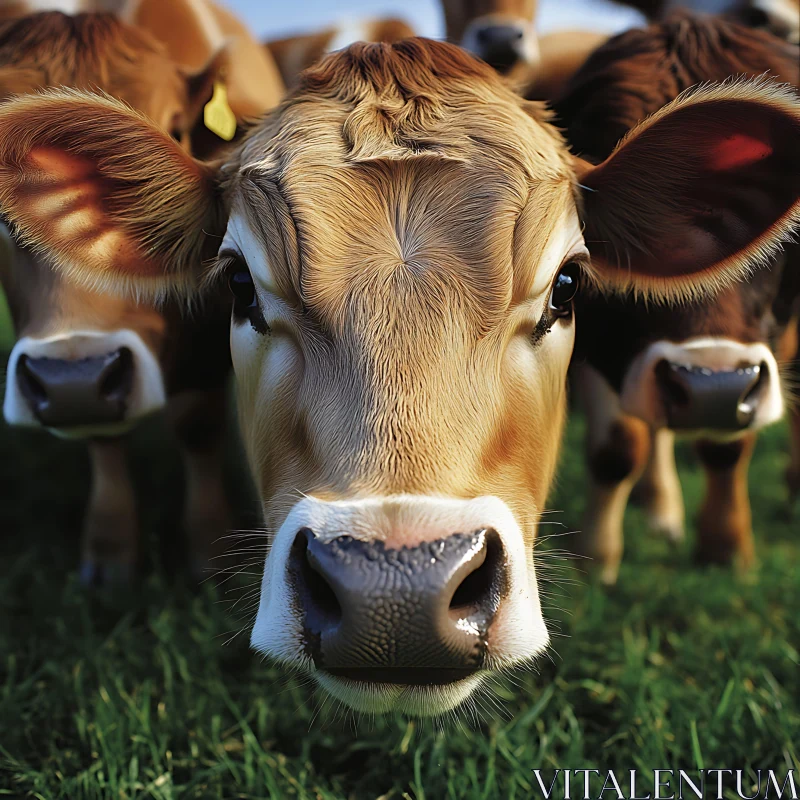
(293, 54)
(403, 238)
(90, 366)
(705, 370)
(194, 30)
(194, 33)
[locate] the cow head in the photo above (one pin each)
(403, 241)
(706, 367)
(501, 32)
(85, 362)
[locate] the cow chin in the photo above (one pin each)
(403, 603)
(385, 698)
(711, 387)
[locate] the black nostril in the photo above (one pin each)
(672, 384)
(315, 594)
(754, 17)
(517, 35)
(697, 398)
(32, 388)
(483, 36)
(116, 381)
(479, 592)
(748, 403)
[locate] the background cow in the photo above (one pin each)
(706, 368)
(403, 239)
(90, 366)
(501, 32)
(293, 54)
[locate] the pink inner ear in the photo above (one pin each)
(738, 150)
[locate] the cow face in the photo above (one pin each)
(706, 367)
(702, 369)
(402, 238)
(86, 363)
(501, 32)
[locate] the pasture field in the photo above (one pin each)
(141, 695)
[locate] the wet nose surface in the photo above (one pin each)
(417, 615)
(66, 392)
(700, 398)
(500, 46)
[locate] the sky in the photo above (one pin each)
(273, 18)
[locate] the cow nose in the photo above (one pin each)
(416, 615)
(500, 46)
(698, 398)
(63, 393)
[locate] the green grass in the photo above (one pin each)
(139, 696)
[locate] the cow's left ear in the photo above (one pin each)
(698, 194)
(110, 199)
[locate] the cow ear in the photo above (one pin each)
(109, 198)
(697, 195)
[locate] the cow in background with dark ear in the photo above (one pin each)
(90, 366)
(707, 368)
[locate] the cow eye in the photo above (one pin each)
(243, 290)
(565, 288)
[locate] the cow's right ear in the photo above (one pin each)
(110, 199)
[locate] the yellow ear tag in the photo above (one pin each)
(217, 114)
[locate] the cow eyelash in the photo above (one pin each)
(562, 296)
(242, 288)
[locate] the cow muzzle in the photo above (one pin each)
(502, 43)
(87, 384)
(403, 602)
(715, 387)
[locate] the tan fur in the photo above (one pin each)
(293, 54)
(396, 133)
(618, 447)
(660, 488)
(94, 51)
(193, 32)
